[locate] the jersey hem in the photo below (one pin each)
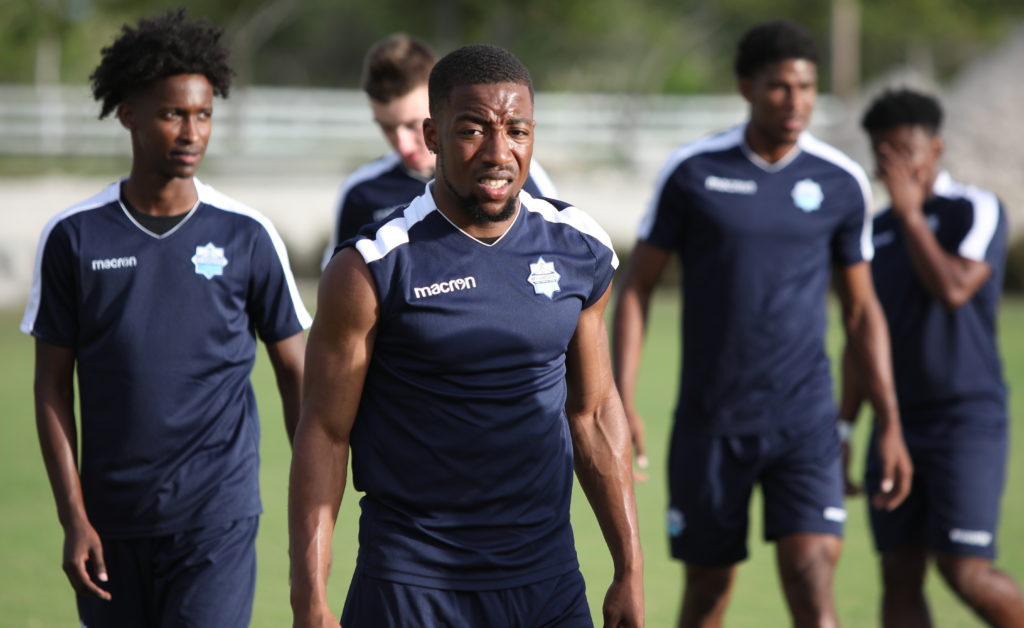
(469, 582)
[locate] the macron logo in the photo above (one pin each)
(730, 186)
(980, 538)
(114, 262)
(444, 287)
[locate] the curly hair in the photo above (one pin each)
(771, 42)
(476, 64)
(156, 48)
(903, 107)
(395, 66)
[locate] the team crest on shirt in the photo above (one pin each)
(675, 522)
(807, 195)
(209, 260)
(544, 278)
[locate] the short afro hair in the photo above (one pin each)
(772, 42)
(476, 64)
(395, 66)
(903, 107)
(156, 48)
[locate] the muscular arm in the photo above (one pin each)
(287, 358)
(949, 278)
(868, 341)
(58, 438)
(645, 267)
(337, 356)
(600, 436)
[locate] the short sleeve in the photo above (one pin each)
(852, 242)
(275, 307)
(663, 224)
(52, 312)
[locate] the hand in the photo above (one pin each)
(624, 602)
(850, 488)
(317, 618)
(907, 184)
(897, 470)
(636, 432)
(82, 547)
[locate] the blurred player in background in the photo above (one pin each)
(395, 73)
(460, 350)
(155, 290)
(761, 215)
(939, 262)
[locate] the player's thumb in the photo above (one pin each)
(100, 564)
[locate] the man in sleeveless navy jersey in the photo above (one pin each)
(761, 216)
(939, 264)
(154, 292)
(395, 73)
(459, 351)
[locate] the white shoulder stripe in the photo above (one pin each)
(712, 143)
(816, 147)
(212, 197)
(572, 216)
(540, 177)
(109, 195)
(985, 205)
(363, 173)
(395, 232)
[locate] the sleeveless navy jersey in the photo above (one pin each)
(378, 188)
(946, 363)
(461, 441)
(757, 243)
(163, 333)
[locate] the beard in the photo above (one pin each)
(476, 211)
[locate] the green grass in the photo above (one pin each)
(34, 592)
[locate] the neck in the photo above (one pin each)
(453, 209)
(765, 148)
(160, 196)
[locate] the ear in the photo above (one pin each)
(430, 133)
(126, 115)
(938, 147)
(746, 85)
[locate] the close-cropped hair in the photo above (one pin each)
(772, 42)
(155, 48)
(395, 66)
(903, 107)
(476, 64)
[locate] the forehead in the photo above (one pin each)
(788, 70)
(179, 89)
(502, 100)
(410, 107)
(906, 135)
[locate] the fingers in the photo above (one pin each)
(894, 487)
(78, 574)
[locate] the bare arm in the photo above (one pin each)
(600, 435)
(58, 439)
(287, 358)
(868, 341)
(951, 279)
(337, 357)
(645, 267)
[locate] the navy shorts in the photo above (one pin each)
(711, 479)
(197, 578)
(375, 603)
(953, 506)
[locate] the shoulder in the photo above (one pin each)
(706, 146)
(979, 198)
(388, 165)
(561, 215)
(231, 207)
(834, 157)
(384, 238)
(79, 211)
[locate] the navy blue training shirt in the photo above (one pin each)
(376, 189)
(461, 441)
(163, 330)
(946, 363)
(757, 242)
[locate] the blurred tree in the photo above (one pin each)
(601, 45)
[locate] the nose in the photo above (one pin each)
(497, 148)
(409, 141)
(189, 130)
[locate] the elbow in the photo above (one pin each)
(953, 298)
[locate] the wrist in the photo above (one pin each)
(844, 429)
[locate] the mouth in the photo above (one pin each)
(186, 157)
(495, 186)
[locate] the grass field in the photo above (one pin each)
(34, 592)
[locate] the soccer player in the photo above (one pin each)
(459, 349)
(941, 250)
(760, 215)
(154, 290)
(395, 73)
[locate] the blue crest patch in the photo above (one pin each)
(544, 278)
(209, 260)
(807, 195)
